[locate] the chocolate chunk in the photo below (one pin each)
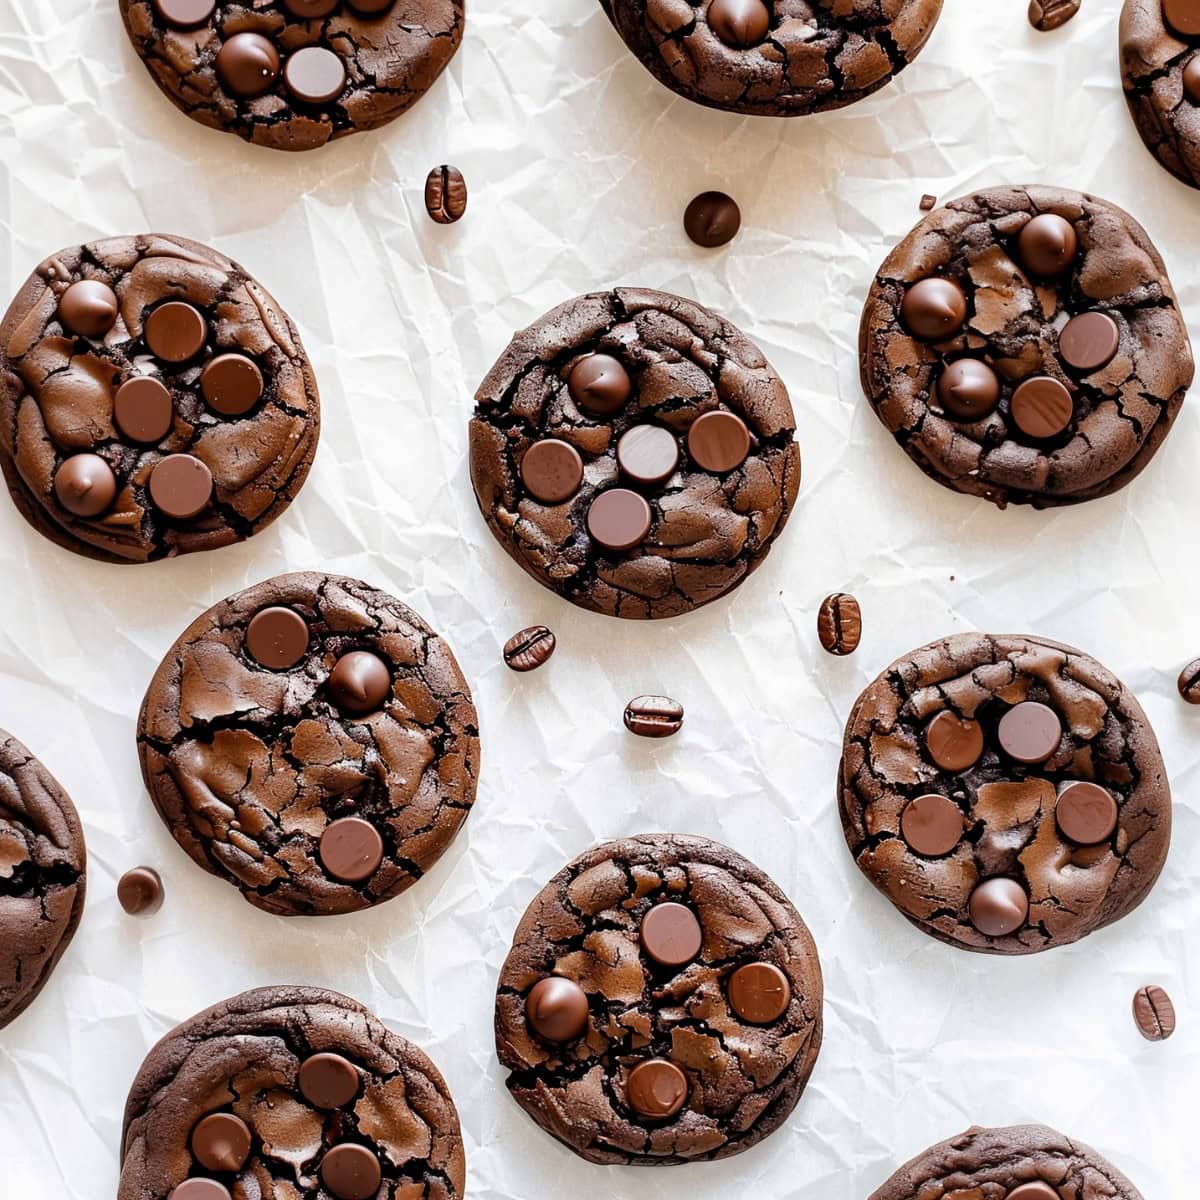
(954, 743)
(968, 389)
(1042, 407)
(557, 1009)
(619, 519)
(1086, 813)
(445, 194)
(656, 1089)
(1089, 341)
(1046, 245)
(932, 825)
(328, 1080)
(759, 993)
(351, 1172)
(719, 441)
(359, 683)
(998, 907)
(934, 309)
(1191, 79)
(221, 1142)
(277, 638)
(314, 75)
(1030, 732)
(712, 218)
(88, 308)
(175, 332)
(184, 14)
(671, 934)
(140, 891)
(1183, 16)
(1154, 1013)
(653, 716)
(648, 454)
(85, 485)
(599, 384)
(351, 849)
(552, 470)
(529, 649)
(181, 486)
(232, 384)
(1045, 15)
(1189, 682)
(839, 623)
(928, 203)
(248, 65)
(200, 1188)
(143, 410)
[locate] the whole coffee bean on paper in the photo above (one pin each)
(1045, 15)
(653, 716)
(527, 650)
(1154, 1013)
(839, 623)
(445, 194)
(1189, 682)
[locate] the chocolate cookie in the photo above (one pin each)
(774, 58)
(285, 1092)
(634, 452)
(1023, 1162)
(43, 865)
(1160, 71)
(1024, 344)
(294, 74)
(312, 741)
(154, 400)
(661, 1004)
(1006, 793)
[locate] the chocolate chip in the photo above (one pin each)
(310, 10)
(351, 1172)
(739, 23)
(314, 75)
(656, 1089)
(618, 519)
(181, 486)
(653, 716)
(328, 1080)
(934, 309)
(248, 65)
(928, 202)
(445, 194)
(712, 218)
(371, 8)
(185, 14)
(175, 332)
(648, 454)
(232, 384)
(953, 742)
(671, 934)
(1047, 245)
(1183, 16)
(527, 650)
(998, 907)
(1086, 813)
(1034, 1190)
(839, 623)
(759, 993)
(85, 485)
(1030, 732)
(1189, 682)
(143, 410)
(1154, 1013)
(968, 389)
(1045, 15)
(277, 638)
(1191, 79)
(599, 384)
(88, 308)
(932, 825)
(718, 441)
(221, 1142)
(360, 682)
(552, 470)
(557, 1009)
(200, 1189)
(1042, 407)
(1089, 341)
(351, 849)
(140, 891)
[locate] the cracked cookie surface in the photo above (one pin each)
(781, 58)
(289, 1093)
(661, 1004)
(313, 742)
(294, 74)
(1021, 1162)
(1024, 344)
(634, 452)
(43, 864)
(154, 400)
(1006, 793)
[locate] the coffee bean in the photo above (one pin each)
(445, 194)
(839, 623)
(1154, 1013)
(1189, 682)
(653, 716)
(1050, 14)
(527, 650)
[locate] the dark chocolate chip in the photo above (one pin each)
(557, 1009)
(328, 1080)
(371, 8)
(712, 218)
(653, 716)
(1042, 407)
(1047, 244)
(932, 825)
(360, 682)
(1154, 1013)
(968, 389)
(739, 23)
(953, 742)
(1183, 16)
(599, 384)
(351, 849)
(200, 1189)
(314, 75)
(648, 454)
(1034, 1190)
(232, 384)
(552, 470)
(671, 934)
(1030, 732)
(88, 308)
(85, 485)
(619, 519)
(181, 486)
(310, 10)
(221, 1142)
(143, 410)
(140, 891)
(247, 65)
(277, 638)
(1086, 813)
(998, 907)
(1191, 79)
(839, 623)
(185, 14)
(759, 993)
(529, 649)
(175, 332)
(656, 1089)
(718, 441)
(351, 1172)
(1089, 341)
(934, 309)
(445, 194)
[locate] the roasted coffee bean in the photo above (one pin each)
(527, 650)
(1154, 1013)
(1050, 14)
(653, 716)
(445, 194)
(839, 623)
(1189, 682)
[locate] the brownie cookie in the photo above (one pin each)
(43, 865)
(1023, 1162)
(774, 58)
(1006, 793)
(154, 400)
(294, 74)
(1160, 71)
(661, 1004)
(289, 1092)
(1024, 344)
(634, 453)
(312, 741)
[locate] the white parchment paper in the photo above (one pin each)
(580, 166)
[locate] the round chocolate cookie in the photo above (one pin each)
(43, 865)
(661, 1004)
(634, 453)
(294, 74)
(285, 1092)
(312, 741)
(154, 400)
(1024, 344)
(1160, 71)
(1006, 793)
(774, 58)
(1022, 1162)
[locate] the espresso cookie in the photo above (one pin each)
(1160, 71)
(154, 400)
(775, 59)
(1024, 344)
(1023, 1162)
(661, 1004)
(312, 741)
(1006, 793)
(634, 453)
(285, 1092)
(43, 864)
(294, 74)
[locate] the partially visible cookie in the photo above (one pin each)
(1022, 1162)
(289, 1092)
(1024, 344)
(661, 1004)
(43, 865)
(311, 741)
(1160, 72)
(780, 59)
(154, 400)
(1006, 793)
